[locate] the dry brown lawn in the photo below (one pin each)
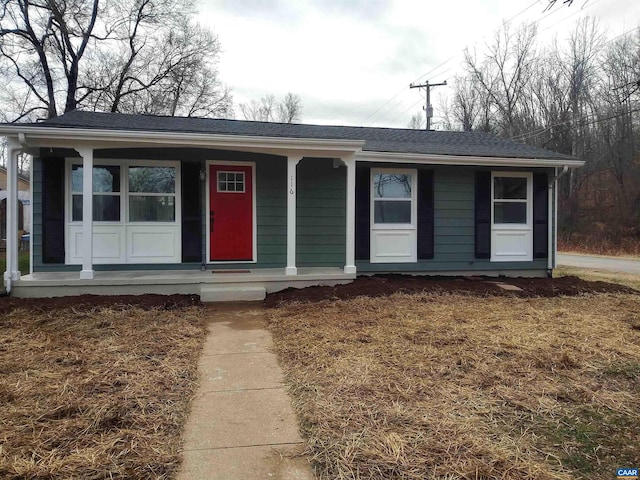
(620, 278)
(95, 392)
(445, 386)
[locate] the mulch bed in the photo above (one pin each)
(385, 285)
(82, 302)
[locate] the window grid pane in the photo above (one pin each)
(152, 180)
(510, 188)
(231, 182)
(510, 212)
(145, 208)
(394, 211)
(387, 185)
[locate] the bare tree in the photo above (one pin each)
(114, 55)
(417, 121)
(290, 109)
(505, 71)
(268, 109)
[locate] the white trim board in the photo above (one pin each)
(463, 160)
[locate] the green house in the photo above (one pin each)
(233, 209)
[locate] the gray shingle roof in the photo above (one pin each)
(376, 139)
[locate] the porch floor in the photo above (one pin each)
(212, 285)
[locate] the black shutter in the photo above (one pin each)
(425, 214)
(540, 216)
(483, 215)
(363, 211)
(191, 213)
(53, 210)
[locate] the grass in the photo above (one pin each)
(627, 279)
(97, 392)
(615, 244)
(446, 386)
(23, 263)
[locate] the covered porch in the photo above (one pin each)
(82, 271)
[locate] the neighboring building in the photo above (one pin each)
(24, 216)
(275, 205)
(23, 181)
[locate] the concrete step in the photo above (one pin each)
(244, 293)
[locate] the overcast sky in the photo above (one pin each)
(351, 61)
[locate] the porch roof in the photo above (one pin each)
(476, 145)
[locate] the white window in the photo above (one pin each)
(392, 197)
(511, 214)
(393, 216)
(136, 212)
(106, 193)
(510, 199)
(152, 194)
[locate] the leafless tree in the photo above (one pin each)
(268, 109)
(114, 55)
(417, 121)
(289, 110)
(505, 71)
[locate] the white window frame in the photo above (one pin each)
(254, 219)
(176, 190)
(390, 232)
(70, 192)
(512, 229)
(244, 183)
(123, 231)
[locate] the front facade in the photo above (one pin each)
(138, 204)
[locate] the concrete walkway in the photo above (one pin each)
(241, 424)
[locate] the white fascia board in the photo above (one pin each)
(466, 160)
(70, 137)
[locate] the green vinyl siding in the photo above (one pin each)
(36, 213)
(320, 213)
(321, 220)
(454, 227)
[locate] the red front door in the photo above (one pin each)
(231, 212)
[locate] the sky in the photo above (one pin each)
(352, 61)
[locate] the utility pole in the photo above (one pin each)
(428, 109)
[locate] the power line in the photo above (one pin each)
(534, 3)
(380, 112)
(525, 136)
(403, 89)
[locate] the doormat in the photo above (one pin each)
(215, 272)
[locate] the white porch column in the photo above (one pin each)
(350, 263)
(87, 213)
(292, 183)
(12, 273)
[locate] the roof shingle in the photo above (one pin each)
(376, 139)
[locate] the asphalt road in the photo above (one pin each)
(623, 265)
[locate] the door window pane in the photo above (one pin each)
(392, 211)
(510, 212)
(387, 185)
(231, 182)
(152, 179)
(152, 208)
(513, 188)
